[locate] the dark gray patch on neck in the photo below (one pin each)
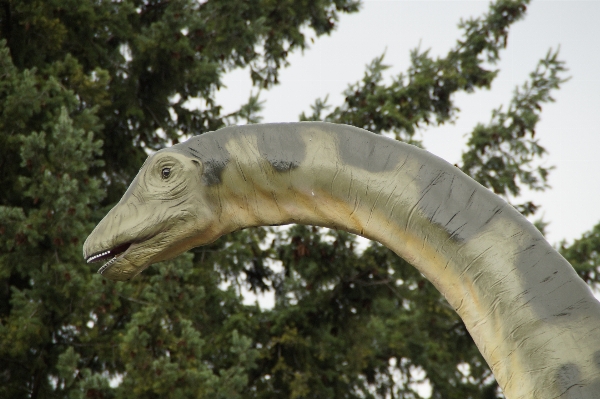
(567, 375)
(209, 148)
(281, 145)
(568, 380)
(463, 210)
(368, 151)
(552, 288)
(569, 384)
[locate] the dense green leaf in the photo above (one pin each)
(87, 88)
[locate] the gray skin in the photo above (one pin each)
(534, 320)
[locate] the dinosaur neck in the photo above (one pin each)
(535, 322)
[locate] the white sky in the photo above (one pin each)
(568, 129)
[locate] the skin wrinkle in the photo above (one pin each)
(424, 243)
(356, 205)
(451, 188)
(460, 305)
(434, 216)
(531, 271)
(219, 196)
(398, 170)
(451, 219)
(398, 200)
(277, 203)
(474, 261)
(456, 231)
(412, 212)
(434, 213)
(337, 171)
(237, 161)
(470, 200)
(453, 254)
(392, 193)
(424, 193)
(349, 186)
(496, 212)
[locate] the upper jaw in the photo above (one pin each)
(111, 253)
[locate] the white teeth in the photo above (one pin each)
(91, 258)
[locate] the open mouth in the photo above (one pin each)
(111, 254)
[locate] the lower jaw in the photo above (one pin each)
(107, 265)
(114, 271)
(120, 271)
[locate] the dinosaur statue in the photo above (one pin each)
(535, 321)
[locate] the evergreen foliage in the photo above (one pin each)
(87, 88)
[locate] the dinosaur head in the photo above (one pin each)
(165, 211)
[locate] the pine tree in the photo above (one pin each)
(87, 88)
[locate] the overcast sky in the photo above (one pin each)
(568, 129)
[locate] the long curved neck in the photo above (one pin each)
(535, 322)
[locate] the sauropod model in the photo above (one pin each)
(534, 320)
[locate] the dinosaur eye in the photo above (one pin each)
(166, 172)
